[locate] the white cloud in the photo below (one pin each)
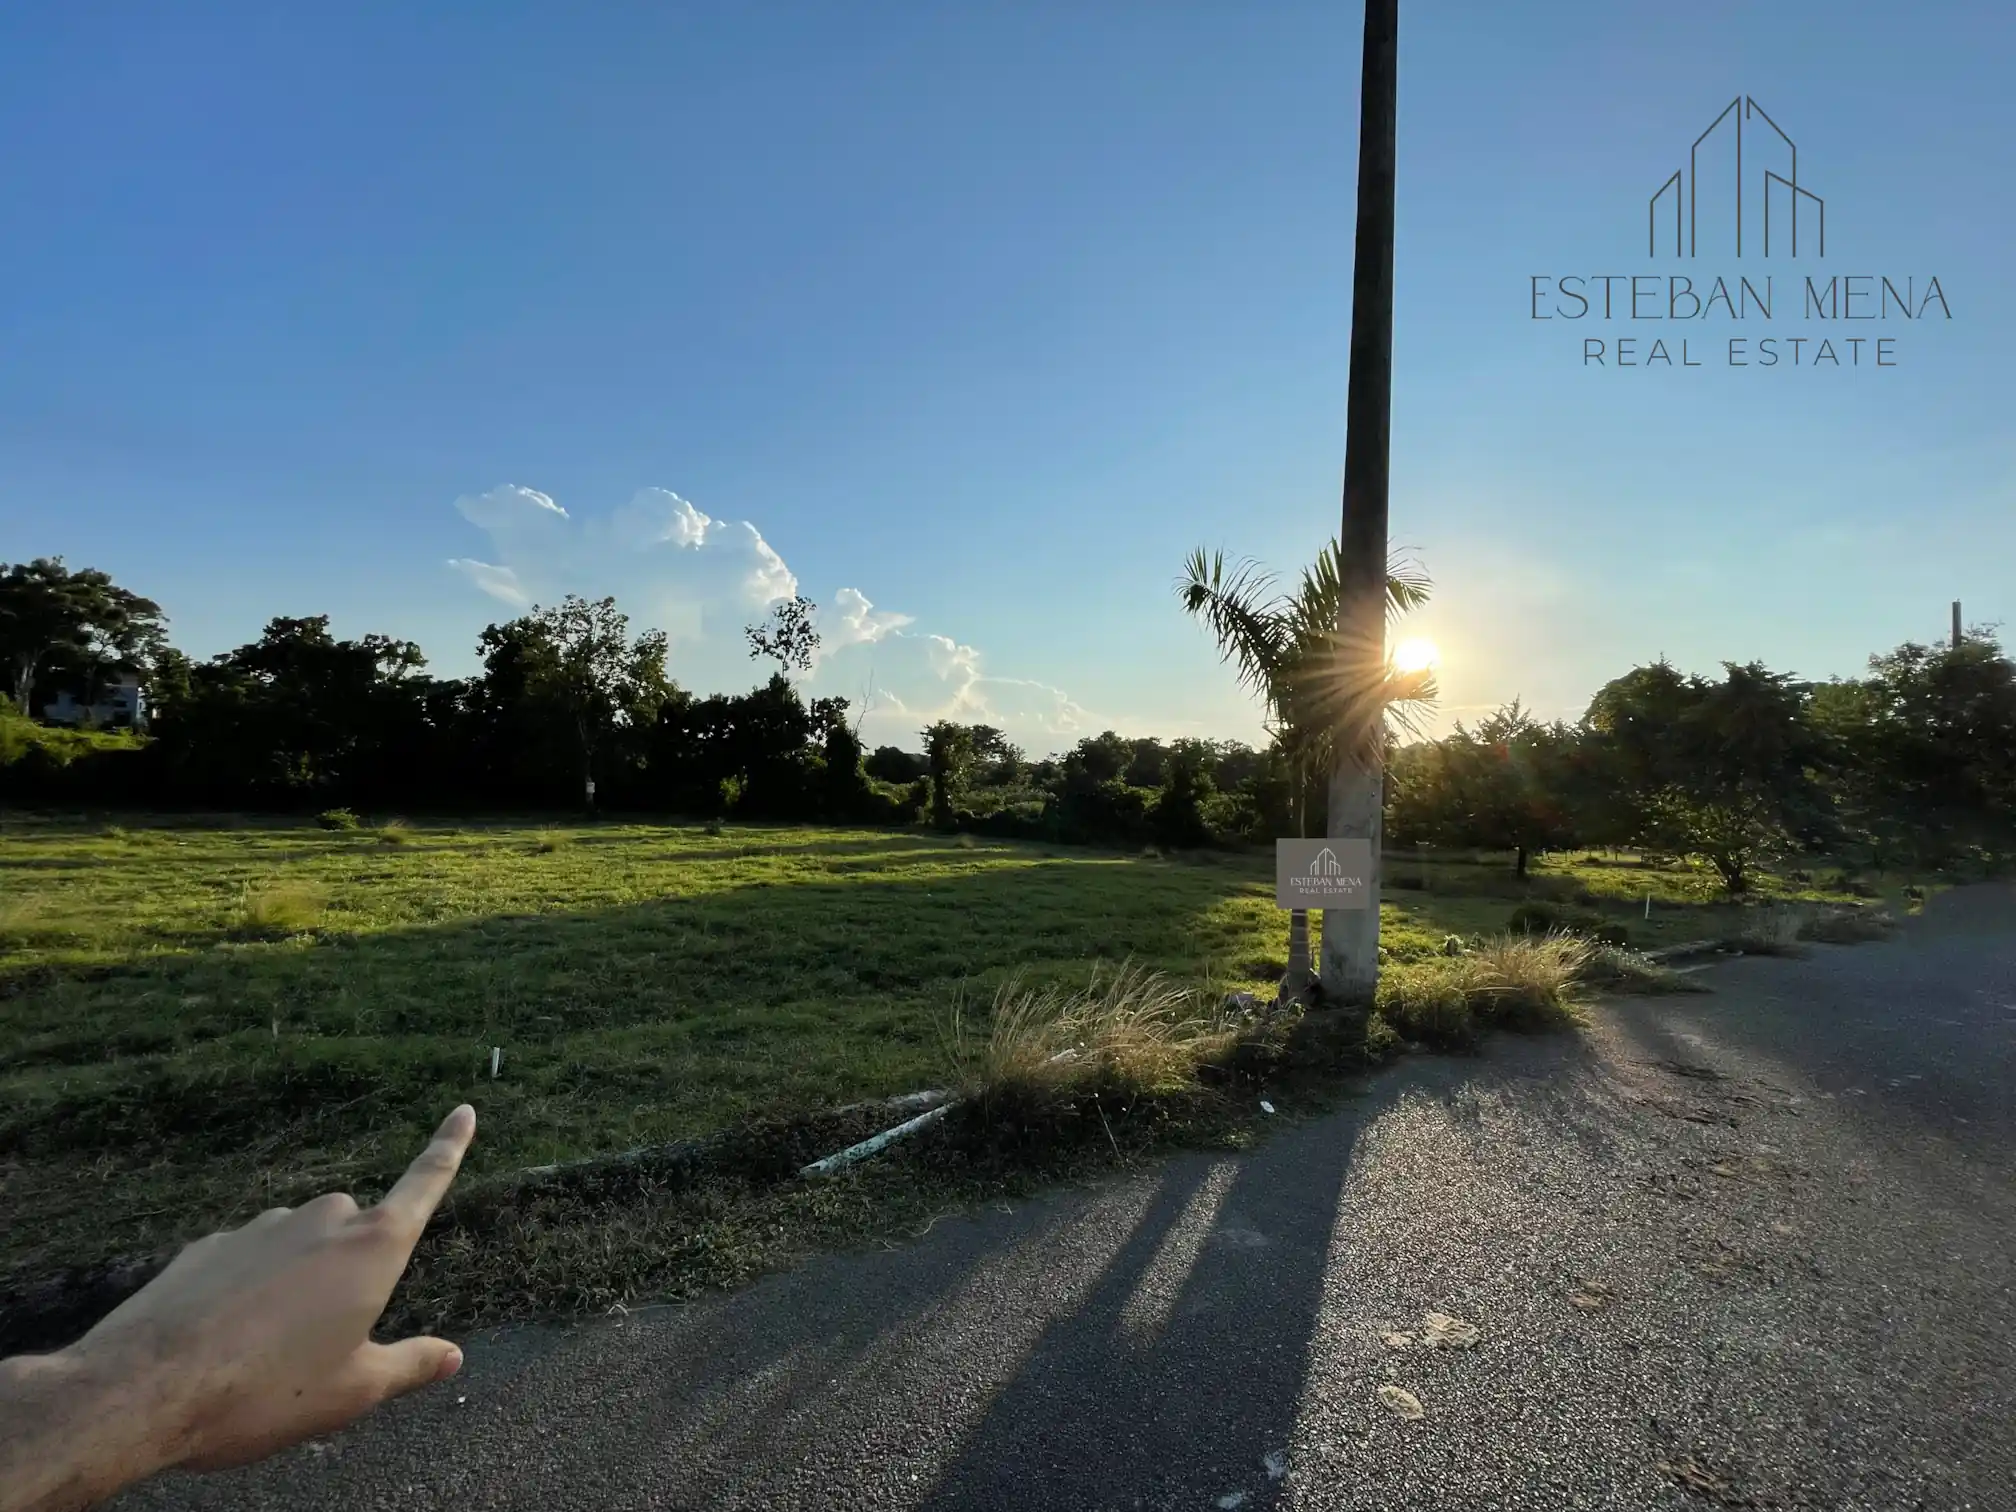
(498, 582)
(671, 566)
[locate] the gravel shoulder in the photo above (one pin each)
(1747, 1249)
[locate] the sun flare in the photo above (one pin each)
(1416, 655)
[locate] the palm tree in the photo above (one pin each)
(1357, 781)
(1288, 652)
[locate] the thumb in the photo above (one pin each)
(395, 1369)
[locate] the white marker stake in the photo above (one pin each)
(1648, 905)
(276, 1029)
(496, 1060)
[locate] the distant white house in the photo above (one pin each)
(120, 704)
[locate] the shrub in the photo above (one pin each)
(338, 819)
(1024, 820)
(1110, 813)
(548, 841)
(1534, 918)
(394, 832)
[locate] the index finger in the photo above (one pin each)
(412, 1201)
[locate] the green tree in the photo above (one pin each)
(846, 784)
(1178, 814)
(1097, 759)
(586, 667)
(1000, 762)
(1923, 752)
(894, 764)
(79, 625)
(1498, 787)
(1730, 771)
(948, 747)
(297, 712)
(788, 636)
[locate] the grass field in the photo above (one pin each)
(202, 1019)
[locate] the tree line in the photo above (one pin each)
(1912, 764)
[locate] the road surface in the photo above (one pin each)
(1747, 1250)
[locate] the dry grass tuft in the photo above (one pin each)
(280, 909)
(1512, 982)
(394, 832)
(1848, 925)
(1135, 1031)
(1618, 969)
(548, 841)
(1773, 930)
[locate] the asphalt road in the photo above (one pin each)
(1750, 1249)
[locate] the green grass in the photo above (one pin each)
(202, 1018)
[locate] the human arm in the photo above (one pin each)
(251, 1340)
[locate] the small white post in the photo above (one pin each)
(1648, 905)
(496, 1060)
(276, 1029)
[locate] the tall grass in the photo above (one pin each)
(1848, 925)
(25, 925)
(1772, 930)
(1135, 1031)
(1621, 969)
(1511, 982)
(282, 909)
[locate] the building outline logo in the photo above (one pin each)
(1685, 182)
(1314, 873)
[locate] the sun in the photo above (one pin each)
(1415, 655)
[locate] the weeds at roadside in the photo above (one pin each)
(1848, 926)
(1512, 982)
(1135, 1033)
(1774, 930)
(1617, 969)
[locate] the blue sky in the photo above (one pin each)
(970, 321)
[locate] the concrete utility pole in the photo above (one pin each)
(1956, 624)
(1350, 957)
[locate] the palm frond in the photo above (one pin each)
(1407, 585)
(1249, 626)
